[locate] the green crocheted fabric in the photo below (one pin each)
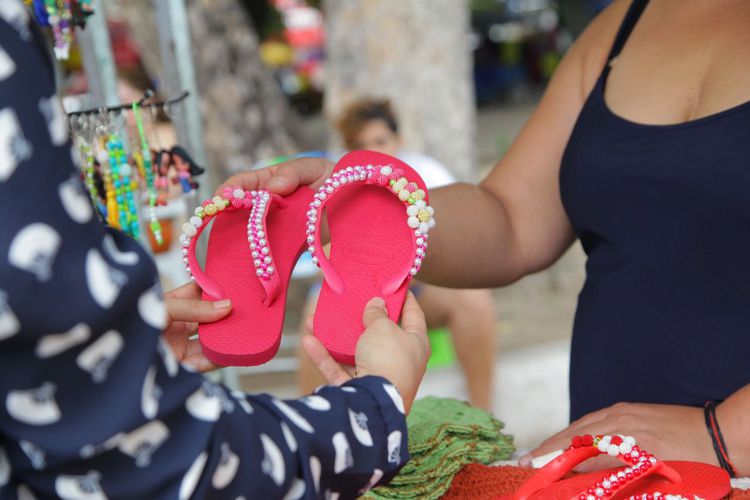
(444, 435)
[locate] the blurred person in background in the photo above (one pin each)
(468, 314)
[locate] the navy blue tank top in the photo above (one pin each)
(663, 214)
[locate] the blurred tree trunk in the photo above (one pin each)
(245, 115)
(415, 53)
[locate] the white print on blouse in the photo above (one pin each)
(394, 447)
(349, 389)
(332, 495)
(296, 491)
(15, 14)
(129, 258)
(24, 493)
(14, 148)
(226, 469)
(4, 468)
(98, 358)
(151, 308)
(315, 471)
(142, 443)
(90, 450)
(239, 396)
(377, 475)
(34, 249)
(75, 201)
(150, 394)
(34, 453)
(168, 357)
(52, 110)
(291, 442)
(294, 416)
(190, 481)
(9, 324)
(7, 66)
(34, 406)
(317, 403)
(391, 390)
(56, 343)
(358, 422)
(344, 458)
(104, 282)
(205, 403)
(273, 461)
(84, 487)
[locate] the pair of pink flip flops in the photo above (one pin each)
(378, 220)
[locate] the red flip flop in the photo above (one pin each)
(255, 241)
(643, 477)
(379, 219)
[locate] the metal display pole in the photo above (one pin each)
(98, 59)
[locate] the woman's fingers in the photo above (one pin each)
(197, 311)
(326, 365)
(187, 291)
(412, 317)
(374, 310)
(195, 358)
(283, 178)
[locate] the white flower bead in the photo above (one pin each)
(431, 210)
(626, 448)
(196, 221)
(103, 157)
(238, 194)
(413, 222)
(126, 170)
(431, 223)
(424, 227)
(420, 204)
(386, 170)
(603, 446)
(189, 229)
(613, 450)
(629, 439)
(217, 200)
(412, 211)
(403, 195)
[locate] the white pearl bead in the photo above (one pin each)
(256, 262)
(269, 270)
(255, 254)
(316, 203)
(189, 229)
(599, 492)
(267, 259)
(314, 260)
(262, 242)
(184, 239)
(196, 221)
(184, 251)
(311, 239)
(420, 251)
(413, 271)
(336, 184)
(261, 233)
(259, 272)
(417, 261)
(329, 190)
(606, 483)
(311, 249)
(238, 193)
(265, 251)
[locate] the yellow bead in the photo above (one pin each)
(423, 215)
(210, 209)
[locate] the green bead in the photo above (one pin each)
(392, 182)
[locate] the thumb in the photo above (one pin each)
(374, 310)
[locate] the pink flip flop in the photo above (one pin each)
(255, 241)
(643, 477)
(379, 219)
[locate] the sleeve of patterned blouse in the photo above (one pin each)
(93, 404)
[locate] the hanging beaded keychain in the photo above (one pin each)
(112, 208)
(60, 18)
(148, 169)
(87, 159)
(126, 215)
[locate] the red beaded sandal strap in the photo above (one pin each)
(639, 464)
(260, 250)
(418, 216)
(234, 198)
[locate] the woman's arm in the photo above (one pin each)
(733, 416)
(92, 402)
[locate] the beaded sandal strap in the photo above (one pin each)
(418, 216)
(234, 198)
(260, 250)
(639, 464)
